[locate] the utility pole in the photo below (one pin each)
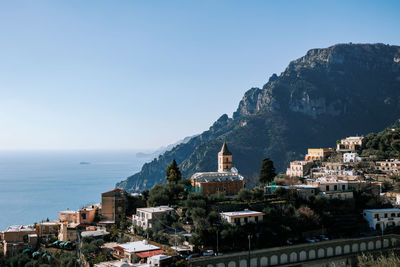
(175, 241)
(248, 262)
(217, 241)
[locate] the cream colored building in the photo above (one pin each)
(299, 168)
(351, 143)
(69, 216)
(68, 232)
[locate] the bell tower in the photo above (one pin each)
(224, 159)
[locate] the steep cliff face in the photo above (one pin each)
(325, 95)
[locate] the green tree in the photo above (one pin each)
(173, 174)
(267, 171)
(245, 195)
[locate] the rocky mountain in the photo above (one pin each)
(329, 93)
(163, 149)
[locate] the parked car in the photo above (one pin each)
(209, 252)
(323, 237)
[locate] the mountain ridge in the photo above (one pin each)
(318, 98)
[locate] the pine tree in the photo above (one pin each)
(267, 171)
(173, 174)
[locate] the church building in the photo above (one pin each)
(227, 179)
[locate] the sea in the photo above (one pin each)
(36, 185)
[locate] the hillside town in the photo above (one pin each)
(330, 206)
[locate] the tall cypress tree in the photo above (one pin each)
(173, 174)
(267, 171)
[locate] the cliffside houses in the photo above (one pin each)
(389, 166)
(71, 220)
(227, 179)
(16, 238)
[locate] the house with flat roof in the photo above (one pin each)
(135, 251)
(380, 219)
(146, 217)
(242, 217)
(331, 187)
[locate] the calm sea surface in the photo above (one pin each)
(35, 185)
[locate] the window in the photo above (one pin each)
(327, 188)
(246, 220)
(83, 216)
(335, 187)
(343, 187)
(385, 215)
(392, 215)
(256, 218)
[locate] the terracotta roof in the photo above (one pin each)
(147, 254)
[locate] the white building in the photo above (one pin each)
(158, 260)
(333, 188)
(118, 263)
(145, 217)
(330, 184)
(351, 157)
(379, 219)
(242, 217)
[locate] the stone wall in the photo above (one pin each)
(300, 254)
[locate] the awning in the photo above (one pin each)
(151, 253)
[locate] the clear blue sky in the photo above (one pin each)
(141, 74)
